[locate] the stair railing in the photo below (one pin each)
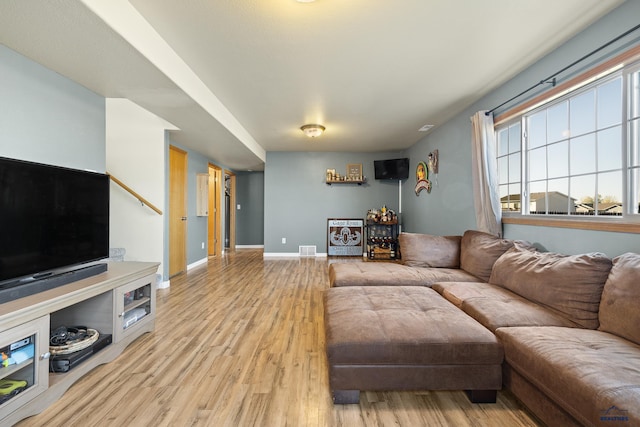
(134, 194)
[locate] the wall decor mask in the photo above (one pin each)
(424, 170)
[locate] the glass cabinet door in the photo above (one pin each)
(24, 371)
(134, 303)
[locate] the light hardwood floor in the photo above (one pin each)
(240, 342)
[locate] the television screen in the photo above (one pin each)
(391, 169)
(50, 217)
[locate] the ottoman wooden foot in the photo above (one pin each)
(342, 397)
(482, 396)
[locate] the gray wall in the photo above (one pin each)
(298, 202)
(47, 118)
(250, 217)
(449, 208)
(197, 233)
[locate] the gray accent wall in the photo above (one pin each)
(298, 201)
(47, 118)
(250, 216)
(449, 207)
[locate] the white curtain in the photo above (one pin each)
(484, 171)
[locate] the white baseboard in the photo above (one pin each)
(163, 285)
(197, 263)
(290, 255)
(249, 246)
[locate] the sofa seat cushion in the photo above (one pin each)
(424, 250)
(403, 325)
(590, 374)
(495, 307)
(433, 275)
(479, 251)
(391, 274)
(372, 273)
(457, 292)
(620, 306)
(569, 284)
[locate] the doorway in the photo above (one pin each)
(214, 235)
(177, 211)
(230, 210)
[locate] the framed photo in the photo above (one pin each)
(345, 237)
(354, 171)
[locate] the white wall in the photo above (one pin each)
(135, 154)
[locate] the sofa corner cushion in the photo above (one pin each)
(479, 251)
(619, 307)
(424, 250)
(586, 372)
(570, 284)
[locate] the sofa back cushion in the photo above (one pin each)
(424, 250)
(478, 252)
(570, 284)
(620, 304)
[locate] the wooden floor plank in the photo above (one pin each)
(239, 341)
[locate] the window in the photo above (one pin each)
(509, 166)
(577, 156)
(634, 141)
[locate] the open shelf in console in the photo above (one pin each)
(92, 313)
(95, 313)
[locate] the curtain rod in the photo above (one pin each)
(552, 78)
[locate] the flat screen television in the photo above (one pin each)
(391, 169)
(51, 218)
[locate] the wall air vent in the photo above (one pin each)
(307, 250)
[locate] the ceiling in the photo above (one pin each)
(239, 77)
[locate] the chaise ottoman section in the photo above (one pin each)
(406, 338)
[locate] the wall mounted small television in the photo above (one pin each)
(51, 219)
(391, 169)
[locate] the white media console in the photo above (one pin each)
(120, 302)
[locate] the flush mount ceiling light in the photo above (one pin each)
(312, 131)
(305, 1)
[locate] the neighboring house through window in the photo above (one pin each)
(581, 152)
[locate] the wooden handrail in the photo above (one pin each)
(134, 194)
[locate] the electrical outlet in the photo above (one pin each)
(284, 240)
(202, 245)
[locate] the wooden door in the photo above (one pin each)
(214, 223)
(232, 210)
(177, 211)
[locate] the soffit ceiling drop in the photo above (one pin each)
(239, 78)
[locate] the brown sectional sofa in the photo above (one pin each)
(569, 326)
(427, 260)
